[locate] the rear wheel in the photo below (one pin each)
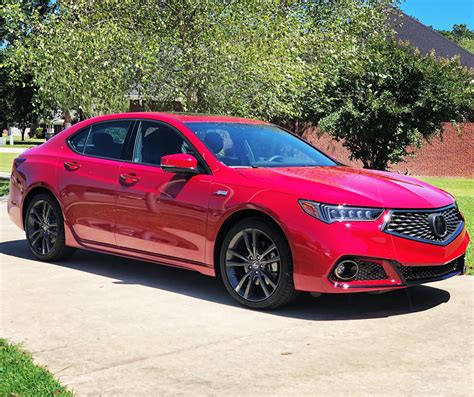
(44, 227)
(256, 265)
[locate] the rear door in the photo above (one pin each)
(161, 213)
(88, 177)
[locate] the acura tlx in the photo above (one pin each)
(241, 199)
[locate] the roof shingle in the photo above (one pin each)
(426, 39)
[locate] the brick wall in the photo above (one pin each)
(450, 155)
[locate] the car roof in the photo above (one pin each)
(170, 117)
(210, 118)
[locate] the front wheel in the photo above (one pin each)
(44, 227)
(256, 265)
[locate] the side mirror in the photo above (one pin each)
(181, 162)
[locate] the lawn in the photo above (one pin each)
(19, 376)
(6, 161)
(4, 186)
(463, 190)
(28, 142)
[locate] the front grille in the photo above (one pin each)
(367, 271)
(414, 224)
(424, 273)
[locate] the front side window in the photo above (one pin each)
(155, 140)
(257, 145)
(105, 139)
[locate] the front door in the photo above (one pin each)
(88, 172)
(157, 212)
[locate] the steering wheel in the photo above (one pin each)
(277, 158)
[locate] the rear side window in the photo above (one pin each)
(107, 139)
(78, 141)
(102, 140)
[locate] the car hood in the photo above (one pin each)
(351, 186)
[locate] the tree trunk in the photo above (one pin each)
(376, 165)
(295, 127)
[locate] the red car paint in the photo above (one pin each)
(141, 211)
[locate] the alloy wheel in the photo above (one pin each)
(253, 265)
(42, 227)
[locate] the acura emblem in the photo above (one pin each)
(437, 223)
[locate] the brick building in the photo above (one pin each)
(451, 154)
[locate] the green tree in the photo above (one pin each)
(16, 101)
(391, 99)
(17, 20)
(208, 56)
(248, 58)
(462, 35)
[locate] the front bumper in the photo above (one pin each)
(318, 247)
(390, 274)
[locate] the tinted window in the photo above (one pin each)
(155, 140)
(258, 145)
(78, 142)
(106, 139)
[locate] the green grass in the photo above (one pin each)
(4, 187)
(463, 190)
(19, 376)
(17, 142)
(6, 161)
(468, 44)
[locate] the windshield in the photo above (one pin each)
(257, 145)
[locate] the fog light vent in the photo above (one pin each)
(358, 269)
(346, 270)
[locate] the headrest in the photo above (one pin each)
(102, 139)
(214, 141)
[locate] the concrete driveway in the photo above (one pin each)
(112, 326)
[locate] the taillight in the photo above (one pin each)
(18, 161)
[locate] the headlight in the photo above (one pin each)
(339, 213)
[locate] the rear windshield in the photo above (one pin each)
(257, 145)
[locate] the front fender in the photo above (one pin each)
(242, 198)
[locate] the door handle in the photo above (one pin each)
(128, 179)
(72, 165)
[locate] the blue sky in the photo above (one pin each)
(441, 14)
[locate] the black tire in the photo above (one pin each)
(46, 242)
(263, 283)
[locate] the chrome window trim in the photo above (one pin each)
(447, 241)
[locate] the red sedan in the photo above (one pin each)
(242, 199)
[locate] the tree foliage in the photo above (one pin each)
(392, 99)
(218, 56)
(17, 90)
(16, 100)
(249, 58)
(462, 35)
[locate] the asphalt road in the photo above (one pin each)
(111, 326)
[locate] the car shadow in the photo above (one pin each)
(325, 308)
